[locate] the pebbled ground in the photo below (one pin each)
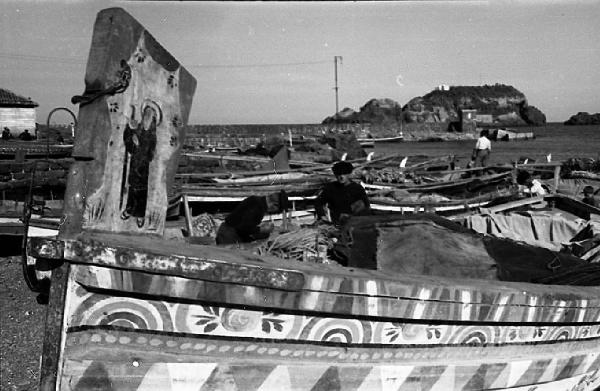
(21, 324)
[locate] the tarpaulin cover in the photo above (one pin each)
(431, 245)
(542, 229)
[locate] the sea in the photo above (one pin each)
(559, 141)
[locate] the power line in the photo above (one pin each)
(258, 65)
(43, 59)
(67, 60)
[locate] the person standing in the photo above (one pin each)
(343, 197)
(482, 150)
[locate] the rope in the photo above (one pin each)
(121, 85)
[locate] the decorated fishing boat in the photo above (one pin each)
(130, 309)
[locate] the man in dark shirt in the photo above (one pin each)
(6, 134)
(343, 197)
(26, 136)
(588, 196)
(243, 224)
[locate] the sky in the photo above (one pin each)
(273, 62)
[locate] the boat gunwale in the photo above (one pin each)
(172, 260)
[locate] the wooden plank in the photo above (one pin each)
(136, 102)
(255, 159)
(102, 347)
(53, 334)
(99, 308)
(475, 169)
(430, 307)
(513, 205)
(209, 364)
(188, 216)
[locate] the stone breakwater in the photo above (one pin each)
(246, 135)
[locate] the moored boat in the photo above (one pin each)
(369, 142)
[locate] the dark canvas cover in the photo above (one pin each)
(431, 245)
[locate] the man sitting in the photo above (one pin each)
(588, 196)
(26, 136)
(6, 135)
(530, 185)
(244, 223)
(343, 197)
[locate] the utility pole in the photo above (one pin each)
(336, 88)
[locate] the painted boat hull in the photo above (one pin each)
(197, 316)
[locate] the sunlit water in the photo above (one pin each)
(562, 142)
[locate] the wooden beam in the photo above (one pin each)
(53, 334)
(513, 205)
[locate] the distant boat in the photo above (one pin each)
(507, 134)
(369, 142)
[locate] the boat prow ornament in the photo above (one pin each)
(137, 99)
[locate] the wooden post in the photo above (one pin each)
(556, 178)
(188, 216)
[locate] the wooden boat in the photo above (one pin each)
(511, 135)
(131, 310)
(33, 149)
(369, 142)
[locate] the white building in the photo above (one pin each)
(16, 112)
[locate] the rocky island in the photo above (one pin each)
(583, 118)
(495, 105)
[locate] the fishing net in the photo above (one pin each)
(308, 244)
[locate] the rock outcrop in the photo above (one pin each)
(584, 118)
(532, 115)
(378, 111)
(497, 104)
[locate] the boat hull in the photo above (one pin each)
(370, 142)
(140, 320)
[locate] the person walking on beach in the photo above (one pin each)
(343, 197)
(482, 150)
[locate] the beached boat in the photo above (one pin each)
(502, 134)
(131, 310)
(33, 149)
